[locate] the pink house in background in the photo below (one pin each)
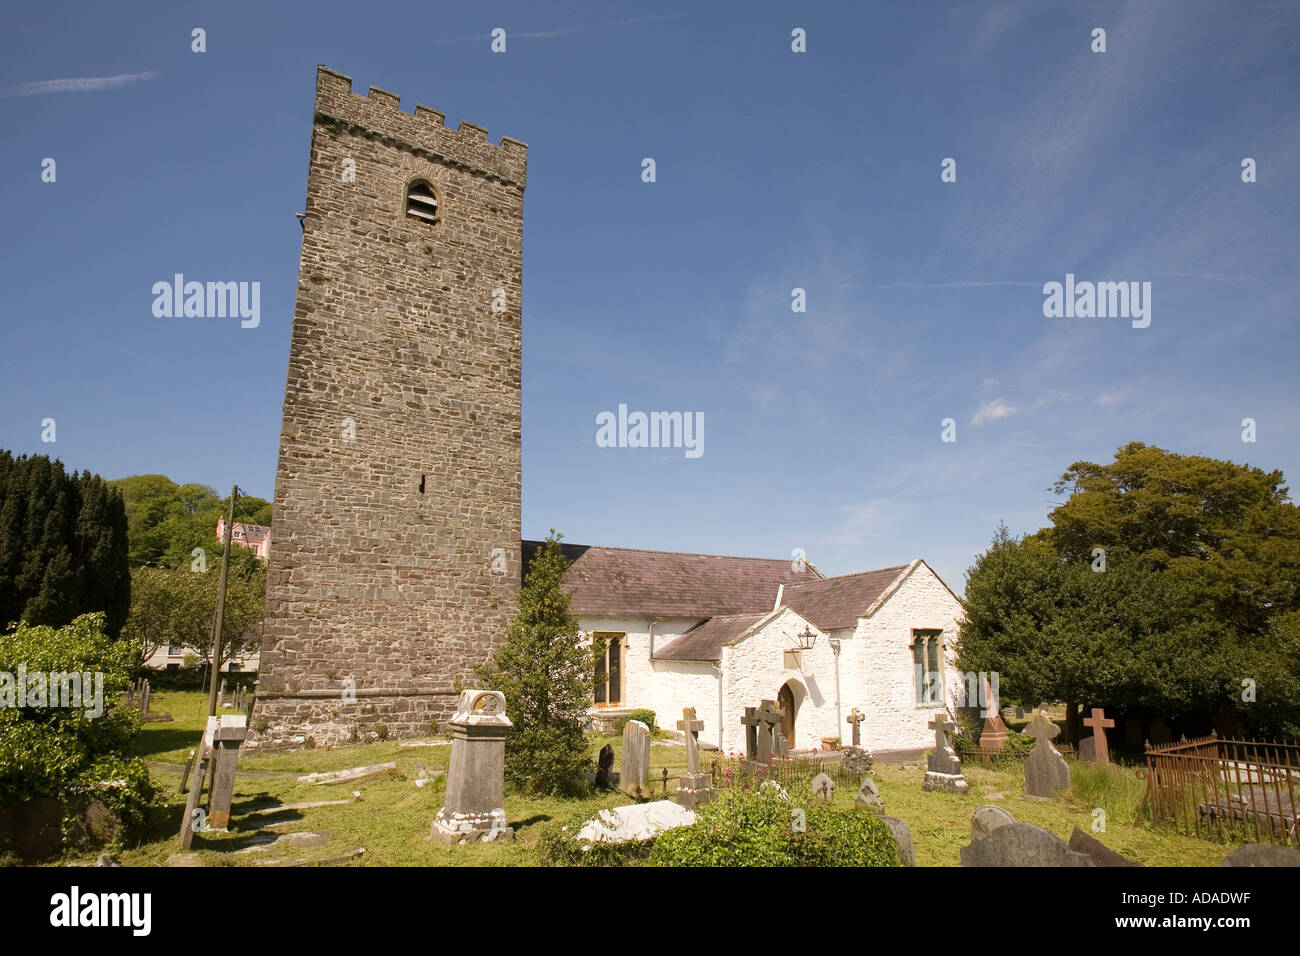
(255, 537)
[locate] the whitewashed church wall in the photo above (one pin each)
(877, 674)
(638, 676)
(682, 684)
(755, 670)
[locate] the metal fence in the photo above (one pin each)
(1216, 786)
(788, 770)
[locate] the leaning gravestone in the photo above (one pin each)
(1021, 844)
(635, 769)
(868, 797)
(476, 773)
(1046, 771)
(903, 838)
(824, 787)
(987, 819)
(1101, 854)
(1099, 752)
(694, 787)
(942, 768)
(605, 767)
(1263, 854)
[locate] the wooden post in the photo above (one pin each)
(221, 606)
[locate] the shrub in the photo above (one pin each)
(61, 751)
(646, 717)
(755, 828)
(381, 731)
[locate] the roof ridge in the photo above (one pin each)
(684, 554)
(855, 574)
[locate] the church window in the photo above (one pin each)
(609, 669)
(926, 666)
(422, 202)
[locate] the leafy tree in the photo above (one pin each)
(1199, 592)
(168, 521)
(546, 674)
(63, 545)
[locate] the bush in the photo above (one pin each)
(755, 828)
(61, 751)
(646, 717)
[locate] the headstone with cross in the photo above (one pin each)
(752, 721)
(769, 715)
(824, 787)
(1099, 752)
(856, 717)
(1046, 771)
(694, 787)
(942, 768)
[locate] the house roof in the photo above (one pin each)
(704, 641)
(838, 602)
(627, 582)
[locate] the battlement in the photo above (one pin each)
(379, 114)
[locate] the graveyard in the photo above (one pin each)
(382, 817)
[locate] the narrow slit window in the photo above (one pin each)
(421, 202)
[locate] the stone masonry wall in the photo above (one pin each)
(399, 467)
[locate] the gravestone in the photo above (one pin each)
(473, 811)
(780, 746)
(856, 718)
(1262, 854)
(857, 761)
(1087, 751)
(942, 768)
(1133, 734)
(604, 767)
(638, 821)
(993, 736)
(1046, 771)
(824, 787)
(1020, 712)
(751, 720)
(1101, 854)
(694, 788)
(902, 834)
(868, 797)
(635, 769)
(144, 700)
(1021, 844)
(769, 720)
(987, 819)
(1099, 752)
(226, 739)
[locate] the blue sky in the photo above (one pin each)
(775, 170)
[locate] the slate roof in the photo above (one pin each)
(627, 582)
(839, 602)
(704, 641)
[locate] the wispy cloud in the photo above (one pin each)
(560, 31)
(79, 84)
(1113, 396)
(992, 411)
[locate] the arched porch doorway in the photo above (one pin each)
(785, 699)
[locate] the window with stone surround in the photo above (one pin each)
(422, 202)
(927, 667)
(609, 668)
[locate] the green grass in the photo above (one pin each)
(393, 816)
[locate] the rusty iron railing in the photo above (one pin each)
(1216, 786)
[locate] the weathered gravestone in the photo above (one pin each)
(902, 834)
(1098, 751)
(1020, 712)
(824, 787)
(769, 720)
(225, 755)
(1101, 854)
(1021, 844)
(694, 787)
(752, 722)
(1262, 854)
(780, 746)
(634, 774)
(604, 767)
(476, 774)
(942, 768)
(857, 761)
(639, 821)
(868, 797)
(987, 819)
(856, 718)
(993, 736)
(1046, 771)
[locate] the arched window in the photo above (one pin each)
(422, 202)
(609, 668)
(926, 667)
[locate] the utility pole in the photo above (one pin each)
(215, 672)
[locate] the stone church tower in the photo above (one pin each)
(395, 563)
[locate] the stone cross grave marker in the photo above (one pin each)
(752, 722)
(942, 768)
(770, 716)
(694, 787)
(856, 718)
(635, 769)
(1046, 771)
(1099, 722)
(476, 774)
